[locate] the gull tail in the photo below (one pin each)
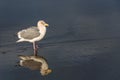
(23, 57)
(20, 40)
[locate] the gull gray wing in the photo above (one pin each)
(31, 64)
(30, 33)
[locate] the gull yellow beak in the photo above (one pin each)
(49, 71)
(46, 24)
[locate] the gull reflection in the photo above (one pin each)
(35, 63)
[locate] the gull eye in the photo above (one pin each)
(42, 22)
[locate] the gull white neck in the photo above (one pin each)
(42, 30)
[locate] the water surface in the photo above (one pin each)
(81, 43)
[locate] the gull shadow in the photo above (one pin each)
(35, 63)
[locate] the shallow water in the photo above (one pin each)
(81, 43)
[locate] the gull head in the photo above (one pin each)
(45, 72)
(42, 23)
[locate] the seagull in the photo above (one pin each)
(33, 34)
(35, 63)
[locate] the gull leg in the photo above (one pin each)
(35, 49)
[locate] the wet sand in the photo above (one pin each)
(81, 43)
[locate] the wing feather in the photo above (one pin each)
(29, 33)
